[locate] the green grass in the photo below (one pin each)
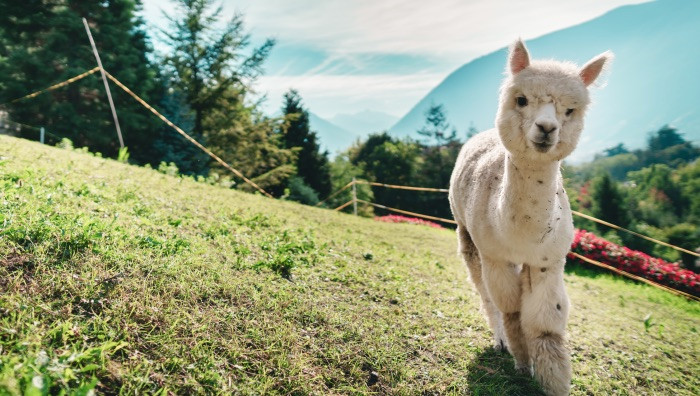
(124, 280)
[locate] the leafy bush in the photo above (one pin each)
(300, 192)
(635, 262)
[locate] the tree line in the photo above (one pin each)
(654, 191)
(205, 84)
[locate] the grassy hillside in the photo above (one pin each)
(126, 280)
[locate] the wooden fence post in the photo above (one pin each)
(354, 196)
(104, 79)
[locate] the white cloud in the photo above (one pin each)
(451, 29)
(448, 32)
(328, 95)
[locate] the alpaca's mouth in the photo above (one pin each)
(542, 147)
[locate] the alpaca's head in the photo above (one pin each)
(542, 104)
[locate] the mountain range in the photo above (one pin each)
(654, 79)
(339, 132)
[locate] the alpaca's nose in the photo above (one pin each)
(546, 127)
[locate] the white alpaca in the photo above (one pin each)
(513, 215)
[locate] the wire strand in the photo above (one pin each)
(188, 137)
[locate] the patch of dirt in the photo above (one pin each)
(16, 262)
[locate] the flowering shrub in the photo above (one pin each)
(635, 262)
(404, 219)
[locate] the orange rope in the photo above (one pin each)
(59, 85)
(341, 207)
(336, 193)
(186, 136)
(585, 216)
(407, 212)
(404, 187)
(635, 277)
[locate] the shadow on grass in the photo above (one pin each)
(493, 373)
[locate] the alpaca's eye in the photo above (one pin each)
(569, 111)
(521, 101)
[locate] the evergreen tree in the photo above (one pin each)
(312, 164)
(209, 63)
(170, 146)
(664, 138)
(249, 141)
(44, 42)
(214, 74)
(616, 150)
(608, 203)
(439, 154)
(436, 127)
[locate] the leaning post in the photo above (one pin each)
(41, 135)
(104, 79)
(354, 196)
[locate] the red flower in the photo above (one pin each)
(653, 268)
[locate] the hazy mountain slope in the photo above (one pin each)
(654, 79)
(365, 122)
(332, 137)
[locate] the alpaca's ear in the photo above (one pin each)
(591, 70)
(518, 58)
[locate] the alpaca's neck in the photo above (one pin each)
(531, 199)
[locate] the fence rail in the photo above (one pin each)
(354, 201)
(576, 213)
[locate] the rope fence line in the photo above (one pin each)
(402, 187)
(186, 136)
(354, 182)
(56, 86)
(343, 206)
(635, 277)
(345, 187)
(154, 111)
(406, 212)
(585, 216)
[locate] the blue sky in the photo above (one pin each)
(347, 56)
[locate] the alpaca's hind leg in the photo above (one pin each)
(502, 281)
(544, 314)
(473, 262)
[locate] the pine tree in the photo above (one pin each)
(608, 203)
(248, 140)
(44, 42)
(436, 127)
(170, 146)
(312, 164)
(207, 63)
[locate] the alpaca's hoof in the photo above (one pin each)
(552, 364)
(524, 369)
(499, 345)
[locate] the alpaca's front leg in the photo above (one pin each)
(473, 262)
(503, 285)
(544, 314)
